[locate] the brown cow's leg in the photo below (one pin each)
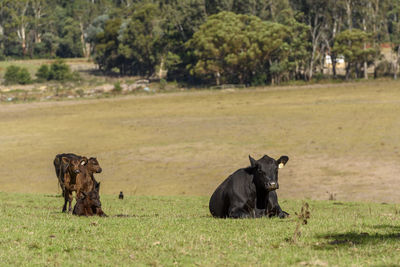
(65, 193)
(100, 212)
(69, 202)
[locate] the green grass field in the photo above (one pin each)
(169, 231)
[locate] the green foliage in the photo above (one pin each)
(23, 76)
(106, 47)
(15, 74)
(352, 45)
(134, 37)
(59, 71)
(231, 48)
(11, 75)
(141, 40)
(117, 87)
(163, 84)
(42, 73)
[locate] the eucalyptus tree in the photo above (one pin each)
(350, 44)
(141, 40)
(106, 48)
(231, 48)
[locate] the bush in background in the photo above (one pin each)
(58, 71)
(23, 76)
(117, 87)
(17, 75)
(42, 73)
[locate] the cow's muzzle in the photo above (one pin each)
(99, 170)
(272, 186)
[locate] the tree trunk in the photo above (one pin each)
(348, 71)
(396, 63)
(333, 59)
(160, 73)
(349, 16)
(365, 48)
(217, 78)
(22, 35)
(84, 51)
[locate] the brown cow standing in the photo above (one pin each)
(60, 168)
(88, 204)
(85, 180)
(72, 167)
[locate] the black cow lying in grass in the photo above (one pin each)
(250, 192)
(88, 204)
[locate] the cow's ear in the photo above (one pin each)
(253, 162)
(282, 161)
(84, 161)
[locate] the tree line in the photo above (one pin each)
(250, 42)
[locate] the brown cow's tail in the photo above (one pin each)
(59, 173)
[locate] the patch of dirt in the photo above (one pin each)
(349, 179)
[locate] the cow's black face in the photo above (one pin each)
(266, 171)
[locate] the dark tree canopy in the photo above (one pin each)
(206, 41)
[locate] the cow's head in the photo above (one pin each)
(266, 171)
(91, 200)
(94, 166)
(74, 165)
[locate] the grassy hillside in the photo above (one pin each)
(343, 139)
(179, 231)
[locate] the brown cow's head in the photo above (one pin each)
(92, 198)
(74, 165)
(94, 166)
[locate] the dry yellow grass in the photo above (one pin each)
(343, 139)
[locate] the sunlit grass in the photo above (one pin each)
(179, 230)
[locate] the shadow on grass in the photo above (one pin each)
(353, 238)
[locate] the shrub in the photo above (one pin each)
(80, 92)
(43, 73)
(117, 87)
(11, 75)
(59, 71)
(259, 79)
(15, 74)
(163, 84)
(23, 76)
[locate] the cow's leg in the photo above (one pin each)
(65, 193)
(70, 202)
(273, 208)
(260, 212)
(238, 212)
